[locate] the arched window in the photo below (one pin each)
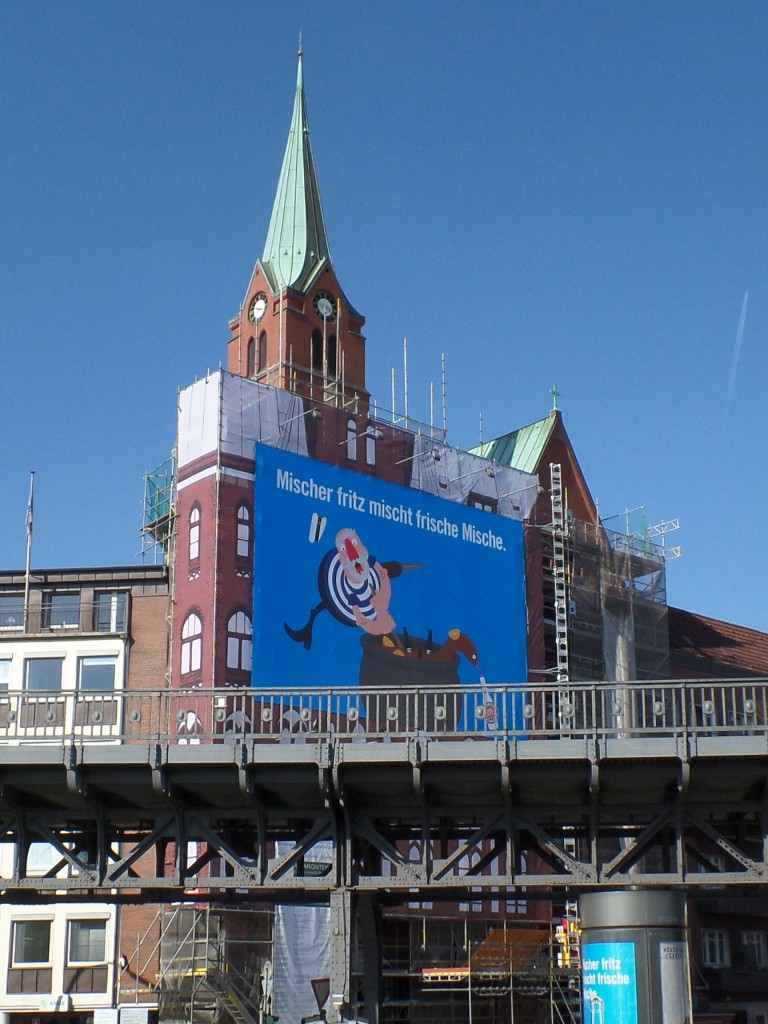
(194, 533)
(251, 357)
(262, 365)
(191, 644)
(316, 354)
(239, 642)
(370, 445)
(351, 439)
(243, 532)
(331, 355)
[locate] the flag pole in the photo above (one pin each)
(28, 521)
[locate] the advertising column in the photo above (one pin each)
(634, 958)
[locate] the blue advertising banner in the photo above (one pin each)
(609, 983)
(361, 582)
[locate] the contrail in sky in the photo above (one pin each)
(736, 356)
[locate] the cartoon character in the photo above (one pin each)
(354, 587)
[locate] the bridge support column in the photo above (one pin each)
(341, 954)
(369, 931)
(634, 956)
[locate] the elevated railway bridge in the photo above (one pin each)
(355, 798)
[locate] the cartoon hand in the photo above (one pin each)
(383, 623)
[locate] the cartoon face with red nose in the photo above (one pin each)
(354, 587)
(353, 556)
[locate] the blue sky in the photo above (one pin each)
(563, 192)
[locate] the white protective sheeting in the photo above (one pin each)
(302, 953)
(302, 947)
(454, 474)
(198, 422)
(252, 412)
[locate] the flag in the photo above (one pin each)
(30, 505)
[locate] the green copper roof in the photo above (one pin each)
(296, 245)
(522, 449)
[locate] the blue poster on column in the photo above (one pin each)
(609, 983)
(359, 582)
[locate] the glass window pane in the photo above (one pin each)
(97, 673)
(5, 673)
(11, 612)
(61, 610)
(87, 941)
(31, 942)
(43, 674)
(110, 612)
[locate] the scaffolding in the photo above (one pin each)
(606, 595)
(159, 509)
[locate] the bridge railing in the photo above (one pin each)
(735, 707)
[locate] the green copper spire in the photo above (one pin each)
(297, 245)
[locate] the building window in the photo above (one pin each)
(87, 942)
(244, 532)
(370, 445)
(42, 675)
(110, 612)
(5, 674)
(194, 533)
(11, 613)
(96, 673)
(239, 642)
(753, 944)
(351, 439)
(262, 363)
(61, 610)
(191, 643)
(482, 501)
(331, 356)
(251, 357)
(31, 942)
(715, 947)
(316, 352)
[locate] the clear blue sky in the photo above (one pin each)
(567, 192)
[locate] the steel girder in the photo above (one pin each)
(251, 821)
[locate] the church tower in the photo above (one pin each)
(295, 379)
(296, 329)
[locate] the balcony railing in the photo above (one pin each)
(687, 712)
(102, 615)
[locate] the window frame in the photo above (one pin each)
(92, 658)
(44, 690)
(191, 648)
(715, 941)
(243, 532)
(115, 604)
(754, 940)
(195, 520)
(5, 683)
(351, 439)
(240, 641)
(16, 923)
(66, 616)
(11, 607)
(71, 961)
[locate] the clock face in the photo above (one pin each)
(325, 306)
(257, 308)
